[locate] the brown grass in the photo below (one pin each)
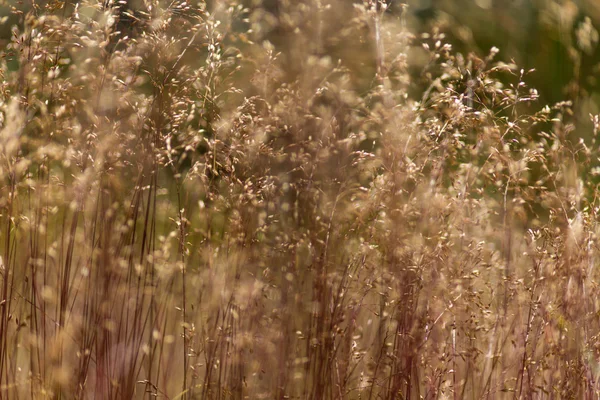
(297, 202)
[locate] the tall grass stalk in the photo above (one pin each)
(303, 200)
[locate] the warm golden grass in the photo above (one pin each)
(208, 202)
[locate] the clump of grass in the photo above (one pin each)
(304, 201)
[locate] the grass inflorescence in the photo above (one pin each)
(299, 201)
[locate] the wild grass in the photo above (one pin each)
(299, 201)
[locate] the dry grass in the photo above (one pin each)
(303, 201)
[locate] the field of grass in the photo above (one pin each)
(286, 200)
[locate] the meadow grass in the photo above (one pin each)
(301, 201)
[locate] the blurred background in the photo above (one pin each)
(557, 38)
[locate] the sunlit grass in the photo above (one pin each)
(228, 201)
